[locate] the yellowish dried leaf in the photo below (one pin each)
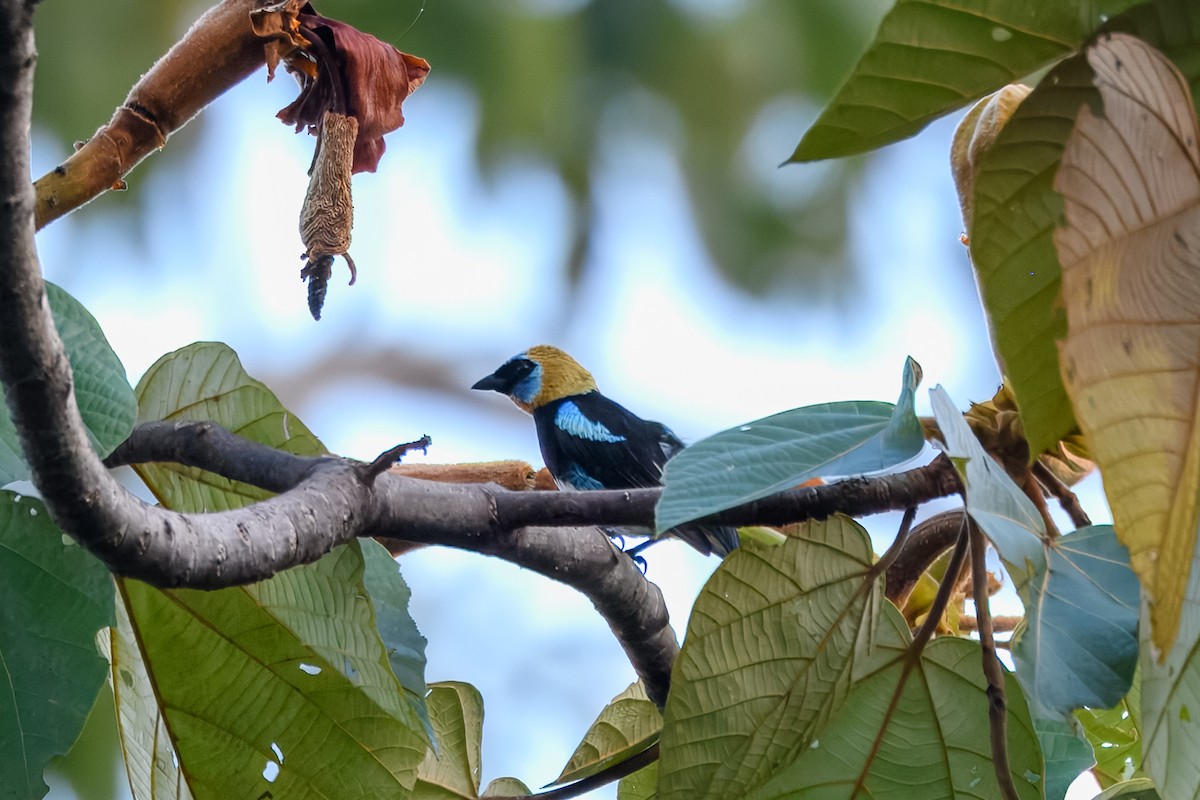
(1130, 254)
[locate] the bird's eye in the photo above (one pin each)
(517, 369)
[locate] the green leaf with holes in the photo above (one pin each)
(283, 686)
(1116, 737)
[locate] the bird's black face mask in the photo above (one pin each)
(505, 379)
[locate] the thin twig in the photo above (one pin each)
(893, 552)
(1033, 490)
(384, 461)
(1066, 498)
(992, 670)
(942, 599)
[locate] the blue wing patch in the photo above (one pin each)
(571, 420)
(574, 477)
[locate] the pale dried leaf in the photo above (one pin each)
(1130, 256)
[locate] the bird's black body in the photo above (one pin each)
(591, 442)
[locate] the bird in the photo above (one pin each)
(591, 442)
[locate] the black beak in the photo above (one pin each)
(492, 383)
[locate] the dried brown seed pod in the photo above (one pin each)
(327, 215)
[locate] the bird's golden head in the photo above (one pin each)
(540, 375)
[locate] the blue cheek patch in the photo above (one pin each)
(529, 386)
(571, 421)
(575, 478)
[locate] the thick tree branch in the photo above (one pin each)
(461, 516)
(503, 523)
(209, 447)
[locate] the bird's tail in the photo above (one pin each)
(708, 539)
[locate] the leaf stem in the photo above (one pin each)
(942, 599)
(888, 558)
(992, 669)
(1066, 498)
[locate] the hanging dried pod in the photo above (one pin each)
(352, 88)
(327, 216)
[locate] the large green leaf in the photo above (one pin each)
(641, 785)
(101, 388)
(915, 732)
(931, 57)
(779, 452)
(1066, 752)
(150, 760)
(997, 505)
(627, 725)
(205, 381)
(1017, 209)
(775, 640)
(281, 686)
(305, 645)
(405, 645)
(1079, 646)
(452, 768)
(1115, 734)
(54, 596)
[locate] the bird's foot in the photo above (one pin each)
(635, 553)
(617, 537)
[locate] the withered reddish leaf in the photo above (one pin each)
(371, 80)
(277, 22)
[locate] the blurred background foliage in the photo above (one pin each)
(704, 77)
(599, 175)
